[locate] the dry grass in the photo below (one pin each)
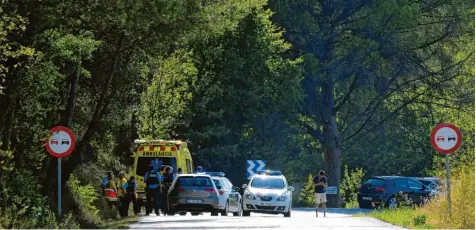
(462, 197)
(436, 214)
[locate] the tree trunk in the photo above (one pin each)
(76, 156)
(331, 142)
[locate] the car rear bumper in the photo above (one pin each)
(273, 207)
(207, 204)
(370, 199)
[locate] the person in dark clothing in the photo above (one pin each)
(153, 183)
(179, 171)
(199, 169)
(320, 185)
(130, 189)
(168, 179)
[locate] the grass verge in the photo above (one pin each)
(405, 217)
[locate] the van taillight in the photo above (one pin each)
(173, 149)
(141, 148)
(180, 190)
(379, 189)
(210, 190)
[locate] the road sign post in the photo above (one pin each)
(60, 144)
(446, 139)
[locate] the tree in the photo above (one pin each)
(306, 196)
(376, 51)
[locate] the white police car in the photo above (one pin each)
(267, 192)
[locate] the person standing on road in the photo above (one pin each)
(320, 185)
(130, 188)
(153, 183)
(168, 179)
(120, 190)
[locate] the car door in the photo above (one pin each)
(417, 191)
(234, 197)
(402, 188)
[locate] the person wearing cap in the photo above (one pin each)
(120, 190)
(168, 178)
(153, 184)
(199, 169)
(130, 188)
(320, 186)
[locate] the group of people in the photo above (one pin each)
(121, 194)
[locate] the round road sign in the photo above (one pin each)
(445, 138)
(61, 142)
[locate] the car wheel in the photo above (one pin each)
(225, 211)
(182, 213)
(246, 213)
(214, 213)
(288, 214)
(240, 211)
(195, 213)
(392, 202)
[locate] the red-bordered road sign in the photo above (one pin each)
(61, 142)
(445, 138)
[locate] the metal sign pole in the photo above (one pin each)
(448, 188)
(59, 187)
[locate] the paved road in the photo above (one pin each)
(301, 219)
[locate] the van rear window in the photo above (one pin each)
(375, 182)
(194, 181)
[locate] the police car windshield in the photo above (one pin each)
(268, 183)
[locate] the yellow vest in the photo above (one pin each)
(120, 191)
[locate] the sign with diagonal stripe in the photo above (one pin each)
(254, 166)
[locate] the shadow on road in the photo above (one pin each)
(343, 211)
(175, 221)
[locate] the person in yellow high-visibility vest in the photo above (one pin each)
(121, 191)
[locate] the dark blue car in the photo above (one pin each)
(390, 191)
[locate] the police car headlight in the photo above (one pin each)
(281, 198)
(250, 196)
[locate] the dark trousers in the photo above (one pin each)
(153, 200)
(164, 204)
(126, 201)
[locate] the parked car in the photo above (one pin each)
(388, 191)
(433, 183)
(229, 196)
(267, 192)
(193, 193)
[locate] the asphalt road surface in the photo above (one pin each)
(301, 219)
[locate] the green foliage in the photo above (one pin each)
(405, 217)
(349, 187)
(306, 195)
(85, 196)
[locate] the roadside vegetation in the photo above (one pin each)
(435, 214)
(305, 85)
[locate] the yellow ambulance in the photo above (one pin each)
(158, 153)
